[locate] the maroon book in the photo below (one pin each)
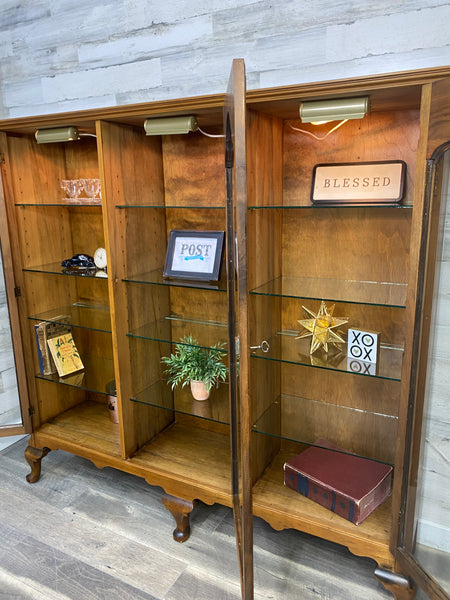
(351, 486)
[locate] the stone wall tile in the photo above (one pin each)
(157, 39)
(392, 33)
(97, 82)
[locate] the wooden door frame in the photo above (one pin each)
(13, 296)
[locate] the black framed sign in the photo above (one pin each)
(194, 254)
(359, 183)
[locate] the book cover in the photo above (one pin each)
(65, 354)
(43, 332)
(348, 485)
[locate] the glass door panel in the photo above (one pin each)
(10, 413)
(430, 544)
(13, 389)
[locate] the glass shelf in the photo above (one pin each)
(160, 395)
(57, 269)
(86, 316)
(284, 347)
(84, 202)
(176, 207)
(171, 328)
(321, 422)
(97, 373)
(336, 290)
(333, 206)
(156, 278)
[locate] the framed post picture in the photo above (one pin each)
(194, 254)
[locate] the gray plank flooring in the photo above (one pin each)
(83, 533)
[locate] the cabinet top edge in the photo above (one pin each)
(211, 106)
(362, 83)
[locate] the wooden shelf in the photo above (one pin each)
(282, 508)
(86, 427)
(181, 457)
(191, 459)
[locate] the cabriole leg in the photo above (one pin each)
(181, 510)
(34, 457)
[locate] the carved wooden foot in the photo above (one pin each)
(34, 457)
(180, 509)
(399, 585)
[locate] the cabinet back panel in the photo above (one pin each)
(81, 159)
(54, 399)
(36, 170)
(363, 393)
(143, 239)
(359, 244)
(146, 366)
(389, 322)
(194, 170)
(44, 238)
(131, 172)
(92, 290)
(87, 229)
(377, 137)
(44, 292)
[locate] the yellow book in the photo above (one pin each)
(65, 354)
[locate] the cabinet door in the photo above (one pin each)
(14, 414)
(424, 543)
(235, 166)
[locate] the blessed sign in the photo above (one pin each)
(358, 183)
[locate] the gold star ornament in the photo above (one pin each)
(321, 328)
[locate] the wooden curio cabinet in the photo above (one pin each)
(282, 253)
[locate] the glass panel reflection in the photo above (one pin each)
(432, 518)
(9, 396)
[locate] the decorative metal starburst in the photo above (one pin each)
(321, 328)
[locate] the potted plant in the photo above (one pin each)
(202, 368)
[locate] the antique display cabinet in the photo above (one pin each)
(246, 171)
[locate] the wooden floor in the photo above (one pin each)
(81, 533)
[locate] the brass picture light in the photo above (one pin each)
(170, 125)
(57, 134)
(340, 109)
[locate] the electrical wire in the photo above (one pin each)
(316, 136)
(211, 135)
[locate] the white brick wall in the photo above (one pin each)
(62, 55)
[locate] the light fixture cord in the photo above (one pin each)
(316, 136)
(211, 135)
(87, 135)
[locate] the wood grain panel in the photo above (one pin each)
(377, 137)
(359, 244)
(131, 174)
(439, 116)
(193, 170)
